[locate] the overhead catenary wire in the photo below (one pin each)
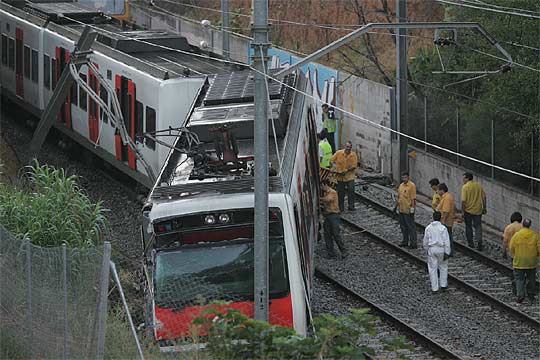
(367, 121)
(499, 6)
(484, 8)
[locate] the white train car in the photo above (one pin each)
(156, 88)
(198, 220)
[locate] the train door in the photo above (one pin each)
(62, 59)
(93, 107)
(19, 43)
(126, 94)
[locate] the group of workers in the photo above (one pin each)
(523, 243)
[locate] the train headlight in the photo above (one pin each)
(209, 219)
(224, 218)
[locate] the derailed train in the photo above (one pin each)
(197, 222)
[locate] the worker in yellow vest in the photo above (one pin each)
(329, 124)
(325, 150)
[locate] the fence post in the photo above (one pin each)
(64, 258)
(29, 295)
(121, 291)
(457, 135)
(532, 163)
(492, 149)
(102, 300)
(425, 123)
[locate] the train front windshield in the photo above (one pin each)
(222, 271)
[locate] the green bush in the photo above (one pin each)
(233, 335)
(51, 209)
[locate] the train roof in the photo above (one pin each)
(222, 120)
(161, 54)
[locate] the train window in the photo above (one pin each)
(150, 126)
(83, 95)
(74, 94)
(139, 113)
(11, 53)
(4, 50)
(109, 74)
(53, 71)
(35, 67)
(47, 71)
(105, 97)
(27, 62)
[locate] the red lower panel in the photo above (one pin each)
(118, 146)
(176, 324)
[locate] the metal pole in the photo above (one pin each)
(401, 83)
(102, 300)
(492, 149)
(457, 135)
(425, 123)
(225, 28)
(29, 297)
(532, 162)
(132, 327)
(259, 46)
(64, 257)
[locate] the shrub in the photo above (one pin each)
(51, 209)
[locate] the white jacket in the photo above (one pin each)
(436, 236)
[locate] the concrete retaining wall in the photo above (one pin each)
(373, 101)
(503, 200)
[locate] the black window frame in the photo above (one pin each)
(83, 95)
(47, 71)
(53, 73)
(74, 94)
(35, 66)
(27, 66)
(4, 50)
(150, 126)
(11, 53)
(104, 96)
(139, 118)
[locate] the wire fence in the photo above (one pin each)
(53, 302)
(483, 132)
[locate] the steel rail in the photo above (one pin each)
(517, 314)
(416, 335)
(503, 268)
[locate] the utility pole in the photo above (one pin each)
(225, 28)
(401, 84)
(260, 49)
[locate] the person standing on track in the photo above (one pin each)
(346, 163)
(325, 150)
(473, 204)
(447, 208)
(510, 230)
(329, 124)
(525, 249)
(437, 245)
(332, 230)
(406, 205)
(434, 184)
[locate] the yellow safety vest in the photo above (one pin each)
(329, 124)
(326, 149)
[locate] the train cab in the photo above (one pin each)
(201, 257)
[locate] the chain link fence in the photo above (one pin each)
(51, 301)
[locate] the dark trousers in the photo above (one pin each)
(408, 229)
(473, 222)
(345, 187)
(332, 232)
(525, 279)
(450, 235)
(331, 138)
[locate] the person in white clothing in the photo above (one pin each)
(437, 244)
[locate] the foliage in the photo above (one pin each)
(511, 99)
(51, 209)
(232, 335)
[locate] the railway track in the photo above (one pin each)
(480, 273)
(462, 322)
(387, 327)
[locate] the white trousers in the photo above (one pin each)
(435, 260)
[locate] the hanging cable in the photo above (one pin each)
(531, 16)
